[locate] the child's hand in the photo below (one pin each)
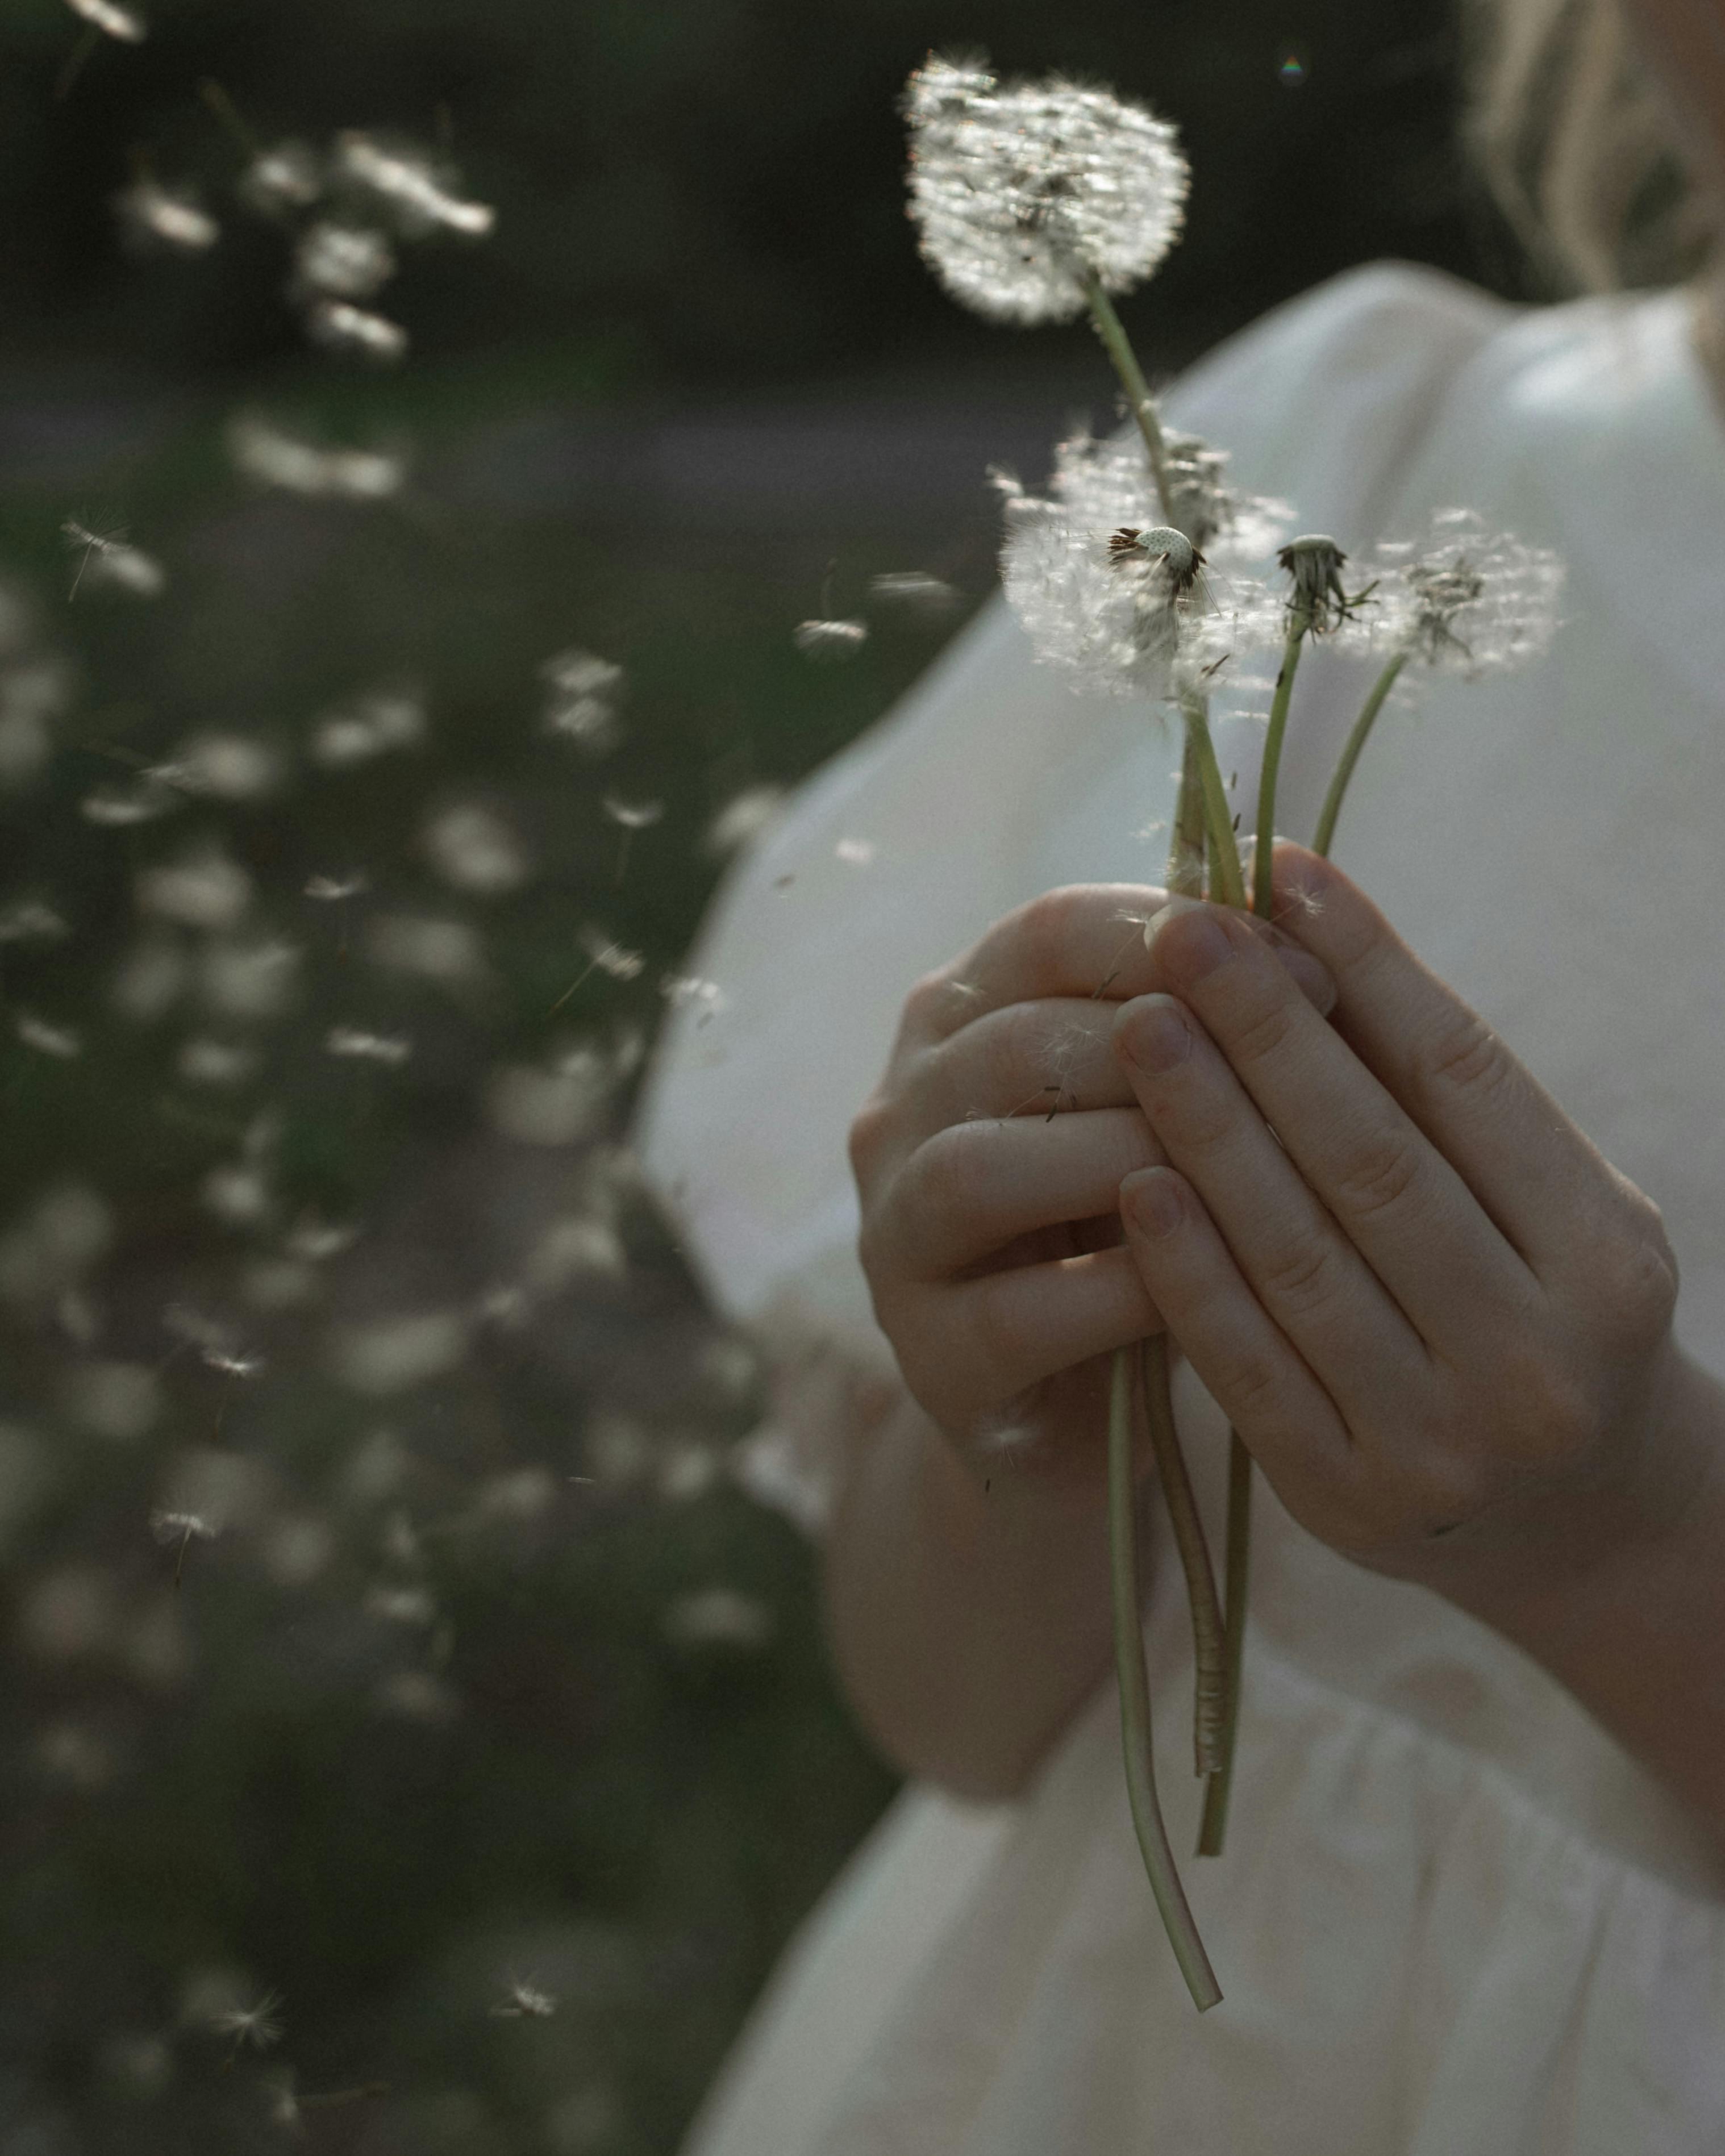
(1438, 1318)
(989, 1161)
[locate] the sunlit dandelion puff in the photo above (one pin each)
(633, 817)
(182, 1527)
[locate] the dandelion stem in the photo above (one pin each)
(1220, 824)
(1135, 1700)
(1299, 621)
(1209, 1650)
(1185, 858)
(1213, 1824)
(1117, 345)
(1350, 755)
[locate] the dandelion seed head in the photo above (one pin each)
(830, 640)
(1020, 191)
(124, 24)
(338, 325)
(343, 261)
(1467, 601)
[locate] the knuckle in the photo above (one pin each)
(1380, 1176)
(944, 1178)
(1469, 1058)
(867, 1137)
(993, 1330)
(1263, 1032)
(1302, 1277)
(930, 1006)
(1633, 1287)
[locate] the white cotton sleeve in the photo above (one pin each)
(900, 853)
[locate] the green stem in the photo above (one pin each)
(1185, 858)
(1117, 345)
(1350, 755)
(1134, 1699)
(1220, 823)
(1299, 622)
(1239, 1557)
(1209, 1654)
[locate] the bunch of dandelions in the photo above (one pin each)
(1035, 203)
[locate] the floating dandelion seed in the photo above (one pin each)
(206, 1062)
(229, 1364)
(343, 262)
(113, 22)
(386, 719)
(448, 953)
(153, 216)
(830, 640)
(585, 691)
(679, 990)
(56, 1040)
(916, 591)
(317, 1241)
(255, 2026)
(744, 817)
(226, 766)
(525, 2000)
(339, 327)
(182, 1527)
(107, 559)
(605, 956)
(31, 922)
(855, 852)
(263, 452)
(634, 816)
(409, 186)
(1469, 600)
(472, 847)
(347, 1040)
(718, 1617)
(120, 807)
(332, 889)
(1022, 194)
(288, 177)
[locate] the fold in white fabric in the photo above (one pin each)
(1454, 1916)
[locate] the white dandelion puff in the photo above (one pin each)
(1467, 601)
(256, 2024)
(267, 453)
(525, 2000)
(338, 325)
(1022, 193)
(830, 640)
(170, 218)
(123, 23)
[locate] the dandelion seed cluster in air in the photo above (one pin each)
(1022, 193)
(1465, 600)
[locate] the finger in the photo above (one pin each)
(969, 1190)
(1395, 1197)
(978, 1344)
(1037, 1059)
(1313, 1283)
(1084, 940)
(1284, 1416)
(1526, 1164)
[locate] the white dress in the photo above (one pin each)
(1454, 1918)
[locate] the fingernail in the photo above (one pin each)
(1150, 1203)
(1203, 945)
(1153, 1033)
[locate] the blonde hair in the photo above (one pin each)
(1578, 148)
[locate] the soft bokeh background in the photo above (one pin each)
(487, 1744)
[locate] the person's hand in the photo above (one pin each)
(1438, 1318)
(988, 1161)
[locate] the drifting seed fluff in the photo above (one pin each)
(124, 24)
(384, 719)
(830, 640)
(153, 216)
(1117, 617)
(585, 691)
(413, 190)
(472, 847)
(281, 181)
(915, 591)
(1021, 194)
(1466, 601)
(343, 261)
(339, 327)
(263, 452)
(108, 560)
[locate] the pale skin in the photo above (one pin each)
(1440, 1318)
